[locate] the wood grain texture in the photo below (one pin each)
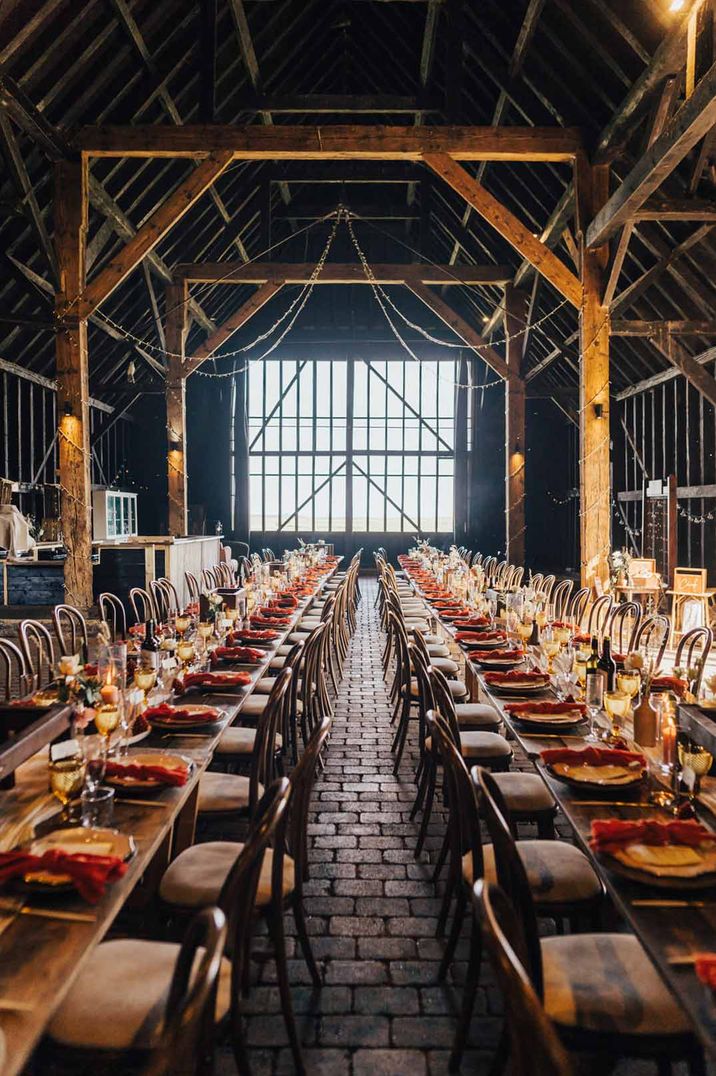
(339, 273)
(516, 303)
(175, 333)
(232, 325)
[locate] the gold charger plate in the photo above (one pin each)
(169, 760)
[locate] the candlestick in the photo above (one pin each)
(668, 743)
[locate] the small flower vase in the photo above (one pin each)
(646, 723)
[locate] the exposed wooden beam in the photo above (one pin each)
(524, 38)
(47, 383)
(653, 328)
(232, 325)
(175, 332)
(516, 304)
(207, 53)
(693, 371)
(665, 209)
(331, 103)
(628, 297)
(154, 229)
(26, 192)
(340, 273)
(665, 375)
(70, 212)
(508, 225)
(692, 121)
(459, 326)
(366, 142)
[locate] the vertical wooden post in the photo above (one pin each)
(70, 212)
(461, 483)
(175, 333)
(516, 303)
(592, 186)
(242, 519)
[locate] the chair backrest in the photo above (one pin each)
(71, 630)
(192, 586)
(623, 625)
(188, 1027)
(263, 758)
(15, 677)
(692, 652)
(39, 650)
(577, 606)
(311, 680)
(534, 1044)
(464, 821)
(652, 637)
(303, 778)
(599, 614)
(112, 612)
(560, 598)
(143, 605)
(546, 587)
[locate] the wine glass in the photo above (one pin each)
(185, 653)
(594, 698)
(66, 778)
(205, 631)
(524, 630)
(106, 720)
(551, 649)
(561, 635)
(617, 704)
(182, 623)
(696, 759)
(95, 759)
(629, 682)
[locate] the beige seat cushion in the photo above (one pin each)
(438, 650)
(264, 685)
(195, 878)
(606, 982)
(118, 998)
(457, 689)
(283, 649)
(524, 791)
(224, 792)
(445, 665)
(477, 714)
(480, 745)
(238, 740)
(557, 872)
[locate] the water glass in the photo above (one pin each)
(97, 807)
(594, 698)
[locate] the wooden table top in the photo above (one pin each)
(41, 957)
(668, 933)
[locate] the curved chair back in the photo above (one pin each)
(303, 778)
(188, 1028)
(577, 606)
(652, 637)
(15, 678)
(39, 650)
(689, 657)
(599, 615)
(112, 612)
(534, 1044)
(546, 588)
(142, 605)
(263, 758)
(623, 625)
(71, 630)
(192, 586)
(560, 598)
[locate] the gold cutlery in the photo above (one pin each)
(646, 903)
(140, 803)
(613, 803)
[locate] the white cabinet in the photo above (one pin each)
(114, 514)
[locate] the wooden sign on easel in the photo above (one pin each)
(658, 530)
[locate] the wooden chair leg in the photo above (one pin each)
(468, 998)
(304, 940)
(453, 939)
(274, 919)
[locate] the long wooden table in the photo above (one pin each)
(40, 957)
(671, 935)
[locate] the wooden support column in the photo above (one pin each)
(175, 333)
(592, 189)
(516, 304)
(70, 212)
(462, 484)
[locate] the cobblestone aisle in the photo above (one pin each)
(372, 908)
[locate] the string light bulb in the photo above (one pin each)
(676, 5)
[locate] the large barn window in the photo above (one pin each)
(357, 445)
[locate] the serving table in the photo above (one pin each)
(672, 926)
(42, 954)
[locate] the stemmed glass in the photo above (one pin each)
(629, 682)
(617, 704)
(66, 778)
(594, 698)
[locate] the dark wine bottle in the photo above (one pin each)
(592, 668)
(608, 665)
(149, 650)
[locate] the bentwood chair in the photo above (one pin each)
(234, 795)
(692, 653)
(560, 598)
(39, 650)
(564, 884)
(161, 1019)
(143, 605)
(547, 587)
(112, 612)
(601, 990)
(652, 637)
(71, 630)
(599, 615)
(16, 679)
(533, 1044)
(622, 626)
(577, 606)
(192, 586)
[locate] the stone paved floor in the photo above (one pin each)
(372, 910)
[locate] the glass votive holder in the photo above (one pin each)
(97, 807)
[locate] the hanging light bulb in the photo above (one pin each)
(131, 371)
(676, 5)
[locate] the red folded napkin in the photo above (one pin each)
(499, 655)
(613, 835)
(234, 638)
(516, 674)
(90, 874)
(218, 679)
(143, 771)
(669, 683)
(262, 621)
(581, 637)
(705, 968)
(272, 615)
(478, 636)
(563, 624)
(593, 756)
(238, 653)
(175, 713)
(546, 707)
(472, 622)
(287, 599)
